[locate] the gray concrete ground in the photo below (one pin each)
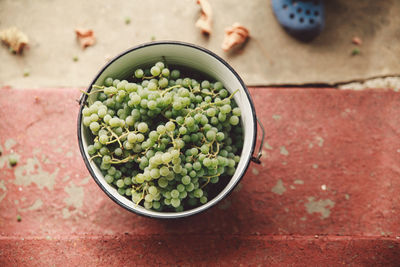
(270, 57)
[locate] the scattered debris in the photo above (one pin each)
(234, 35)
(13, 160)
(36, 99)
(14, 39)
(355, 52)
(205, 20)
(86, 37)
(26, 73)
(153, 38)
(356, 40)
(127, 20)
(75, 58)
(19, 218)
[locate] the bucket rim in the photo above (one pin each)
(150, 213)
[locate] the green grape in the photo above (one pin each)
(234, 120)
(139, 73)
(148, 205)
(140, 178)
(109, 179)
(153, 135)
(189, 187)
(175, 74)
(112, 171)
(211, 112)
(156, 205)
(218, 86)
(91, 150)
(155, 71)
(167, 195)
(163, 83)
(165, 72)
(210, 135)
(225, 109)
(175, 202)
(120, 183)
(108, 81)
(236, 111)
(205, 84)
(103, 139)
(182, 130)
(139, 137)
(155, 173)
(186, 180)
(215, 179)
(175, 193)
(162, 182)
(149, 198)
(203, 200)
(143, 127)
(127, 181)
(161, 129)
(220, 136)
(180, 187)
(223, 93)
(164, 171)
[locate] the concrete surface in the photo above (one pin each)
(373, 83)
(326, 193)
(270, 56)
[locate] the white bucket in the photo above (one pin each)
(186, 55)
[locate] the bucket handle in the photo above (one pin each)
(256, 159)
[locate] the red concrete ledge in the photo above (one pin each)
(330, 167)
(200, 250)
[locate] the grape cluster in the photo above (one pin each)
(164, 141)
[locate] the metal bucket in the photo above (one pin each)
(196, 58)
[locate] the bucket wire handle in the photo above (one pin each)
(256, 159)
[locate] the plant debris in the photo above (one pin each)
(13, 160)
(85, 37)
(355, 52)
(26, 73)
(234, 35)
(14, 39)
(127, 21)
(19, 218)
(356, 40)
(205, 20)
(75, 58)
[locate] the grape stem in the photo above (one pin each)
(93, 92)
(169, 89)
(95, 156)
(125, 160)
(115, 135)
(208, 179)
(117, 140)
(215, 154)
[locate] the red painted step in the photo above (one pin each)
(330, 167)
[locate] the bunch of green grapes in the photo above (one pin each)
(164, 141)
